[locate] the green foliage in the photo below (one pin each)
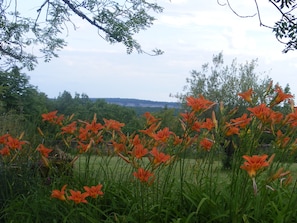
(285, 28)
(116, 23)
(18, 95)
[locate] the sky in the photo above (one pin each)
(190, 32)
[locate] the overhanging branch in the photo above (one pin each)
(83, 16)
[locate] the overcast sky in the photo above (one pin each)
(189, 31)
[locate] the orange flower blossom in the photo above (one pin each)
(206, 144)
(43, 150)
(136, 140)
(247, 95)
(159, 157)
(231, 129)
(208, 124)
(14, 143)
(69, 129)
(291, 118)
(242, 121)
(188, 117)
(113, 125)
(262, 112)
(78, 197)
(5, 151)
(52, 117)
(281, 96)
(162, 135)
(144, 175)
(150, 119)
(150, 131)
(94, 191)
(83, 147)
(139, 151)
(94, 126)
(199, 104)
(196, 126)
(59, 194)
(254, 163)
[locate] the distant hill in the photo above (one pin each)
(128, 102)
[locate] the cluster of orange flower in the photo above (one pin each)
(77, 196)
(91, 134)
(151, 143)
(147, 144)
(10, 144)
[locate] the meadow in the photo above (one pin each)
(224, 167)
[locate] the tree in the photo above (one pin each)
(116, 23)
(285, 29)
(222, 83)
(17, 94)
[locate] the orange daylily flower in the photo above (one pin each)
(94, 191)
(59, 194)
(280, 97)
(276, 117)
(188, 117)
(291, 118)
(150, 119)
(118, 147)
(14, 143)
(262, 112)
(5, 151)
(50, 117)
(43, 150)
(136, 141)
(144, 176)
(94, 126)
(162, 135)
(199, 104)
(83, 134)
(139, 151)
(242, 121)
(196, 126)
(231, 129)
(177, 140)
(254, 163)
(78, 197)
(84, 147)
(208, 124)
(159, 157)
(247, 95)
(151, 130)
(206, 144)
(59, 120)
(113, 125)
(69, 129)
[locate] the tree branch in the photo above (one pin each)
(283, 14)
(259, 16)
(83, 16)
(237, 13)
